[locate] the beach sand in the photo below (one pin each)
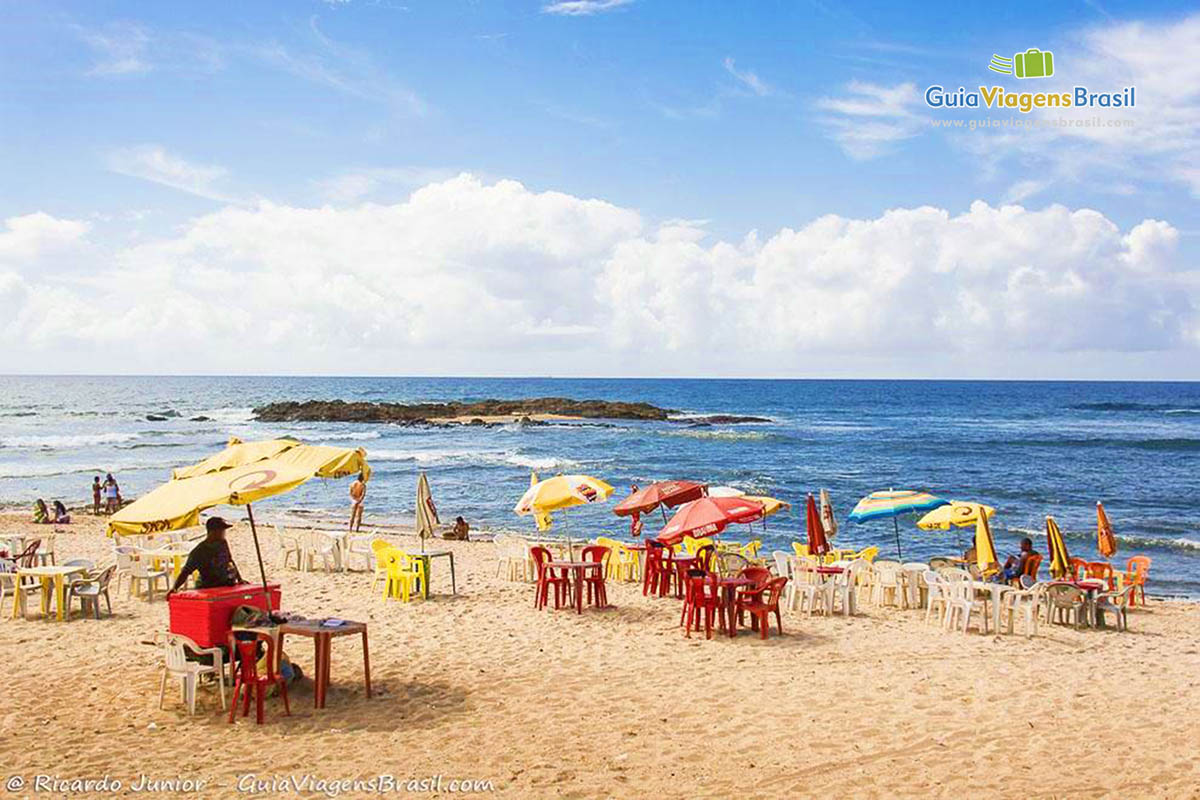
(618, 703)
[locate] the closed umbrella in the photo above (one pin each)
(1106, 540)
(707, 516)
(985, 547)
(427, 516)
(817, 544)
(828, 520)
(892, 503)
(1060, 560)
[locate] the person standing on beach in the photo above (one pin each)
(112, 494)
(358, 493)
(96, 495)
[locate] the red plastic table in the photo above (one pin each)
(576, 570)
(322, 637)
(729, 587)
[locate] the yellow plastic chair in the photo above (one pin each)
(868, 554)
(692, 546)
(379, 548)
(801, 549)
(405, 575)
(750, 549)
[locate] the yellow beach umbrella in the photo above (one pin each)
(958, 514)
(236, 454)
(1106, 540)
(178, 502)
(558, 493)
(985, 548)
(1060, 560)
(771, 505)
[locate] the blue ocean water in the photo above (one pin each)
(1028, 448)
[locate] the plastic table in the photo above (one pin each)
(322, 636)
(49, 576)
(576, 569)
(427, 560)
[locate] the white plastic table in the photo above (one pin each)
(49, 576)
(997, 591)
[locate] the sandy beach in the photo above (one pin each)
(618, 703)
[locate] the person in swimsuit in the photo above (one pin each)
(96, 489)
(358, 493)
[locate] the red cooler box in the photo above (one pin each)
(203, 615)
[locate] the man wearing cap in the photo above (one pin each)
(211, 558)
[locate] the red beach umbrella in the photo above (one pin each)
(707, 516)
(662, 493)
(817, 543)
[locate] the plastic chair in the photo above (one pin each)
(939, 596)
(807, 590)
(702, 600)
(177, 665)
(1102, 570)
(730, 563)
(940, 561)
(379, 548)
(45, 553)
(690, 545)
(1078, 568)
(961, 606)
(289, 545)
(889, 581)
(593, 580)
(405, 575)
(1065, 604)
(317, 544)
(869, 554)
(546, 578)
(358, 551)
(660, 569)
(1116, 603)
(783, 568)
(141, 575)
(843, 589)
(750, 549)
(800, 548)
(245, 663)
(1024, 603)
(90, 590)
(760, 606)
(1137, 569)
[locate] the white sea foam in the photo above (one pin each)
(66, 441)
(332, 436)
(20, 469)
(432, 458)
(228, 414)
(723, 434)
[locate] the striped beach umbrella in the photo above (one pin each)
(1106, 540)
(1060, 560)
(893, 503)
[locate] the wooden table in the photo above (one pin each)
(427, 558)
(49, 575)
(729, 587)
(576, 569)
(322, 636)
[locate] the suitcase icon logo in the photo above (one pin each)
(1033, 63)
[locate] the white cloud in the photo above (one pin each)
(475, 277)
(869, 117)
(354, 185)
(129, 48)
(747, 78)
(28, 237)
(153, 163)
(120, 48)
(583, 8)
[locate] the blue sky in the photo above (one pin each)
(138, 122)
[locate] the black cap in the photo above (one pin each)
(215, 524)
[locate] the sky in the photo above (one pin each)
(596, 187)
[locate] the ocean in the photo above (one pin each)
(1028, 448)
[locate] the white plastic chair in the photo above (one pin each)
(938, 596)
(289, 545)
(783, 569)
(811, 593)
(176, 664)
(961, 606)
(1024, 604)
(843, 589)
(142, 575)
(317, 545)
(889, 582)
(358, 550)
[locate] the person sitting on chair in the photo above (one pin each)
(1014, 567)
(211, 558)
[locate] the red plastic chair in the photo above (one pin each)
(1102, 570)
(546, 578)
(1078, 568)
(593, 579)
(761, 577)
(760, 609)
(660, 568)
(702, 599)
(244, 653)
(29, 555)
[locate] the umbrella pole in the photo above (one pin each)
(262, 571)
(896, 525)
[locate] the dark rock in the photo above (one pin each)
(201, 418)
(720, 419)
(427, 413)
(156, 418)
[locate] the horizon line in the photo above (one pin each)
(780, 379)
